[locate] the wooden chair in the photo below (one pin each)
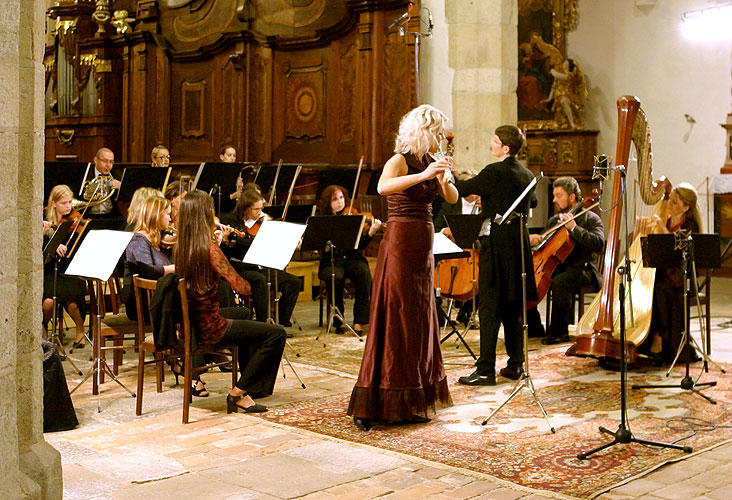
(184, 349)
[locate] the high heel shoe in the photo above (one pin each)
(233, 407)
(202, 392)
(177, 369)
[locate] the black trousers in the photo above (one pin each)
(287, 284)
(566, 281)
(357, 270)
(260, 351)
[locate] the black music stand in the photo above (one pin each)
(49, 252)
(324, 233)
(373, 187)
(267, 175)
(464, 229)
(145, 176)
(219, 180)
(295, 213)
(70, 173)
(343, 178)
(673, 251)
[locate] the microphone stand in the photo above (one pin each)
(417, 40)
(624, 434)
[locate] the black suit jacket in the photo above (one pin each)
(498, 185)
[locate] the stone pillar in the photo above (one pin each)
(29, 467)
(483, 51)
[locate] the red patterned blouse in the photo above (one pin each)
(204, 309)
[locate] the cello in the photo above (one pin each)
(598, 331)
(555, 247)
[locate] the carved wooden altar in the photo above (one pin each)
(308, 81)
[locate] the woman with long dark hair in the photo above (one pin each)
(200, 261)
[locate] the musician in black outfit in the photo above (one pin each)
(248, 214)
(578, 269)
(500, 290)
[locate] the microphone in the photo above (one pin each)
(600, 169)
(398, 20)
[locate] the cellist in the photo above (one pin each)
(578, 269)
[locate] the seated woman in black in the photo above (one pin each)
(200, 261)
(247, 217)
(667, 320)
(69, 290)
(349, 264)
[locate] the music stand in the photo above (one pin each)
(272, 248)
(220, 178)
(325, 233)
(70, 173)
(295, 213)
(373, 187)
(49, 252)
(521, 217)
(95, 260)
(137, 177)
(672, 251)
(464, 229)
(267, 175)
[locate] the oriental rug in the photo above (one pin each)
(516, 444)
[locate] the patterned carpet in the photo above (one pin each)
(517, 446)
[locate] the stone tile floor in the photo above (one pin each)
(116, 455)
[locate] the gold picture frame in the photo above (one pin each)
(551, 19)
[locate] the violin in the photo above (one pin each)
(254, 229)
(368, 217)
(78, 222)
(170, 236)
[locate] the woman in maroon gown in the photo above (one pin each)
(402, 378)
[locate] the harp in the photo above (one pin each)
(598, 331)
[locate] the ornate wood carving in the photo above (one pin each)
(305, 102)
(347, 94)
(192, 104)
(398, 76)
(259, 86)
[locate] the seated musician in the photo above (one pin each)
(246, 218)
(201, 263)
(578, 269)
(69, 290)
(227, 154)
(467, 205)
(106, 214)
(667, 319)
(137, 203)
(160, 156)
(349, 263)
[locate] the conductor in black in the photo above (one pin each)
(500, 290)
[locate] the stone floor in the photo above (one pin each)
(116, 455)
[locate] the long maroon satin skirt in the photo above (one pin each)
(402, 374)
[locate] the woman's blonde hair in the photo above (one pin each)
(140, 195)
(149, 217)
(58, 192)
(687, 195)
(418, 130)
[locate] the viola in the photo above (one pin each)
(77, 219)
(553, 250)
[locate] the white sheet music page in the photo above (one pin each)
(274, 244)
(99, 253)
(442, 244)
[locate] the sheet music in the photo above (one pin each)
(274, 244)
(99, 253)
(442, 244)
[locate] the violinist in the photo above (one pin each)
(137, 203)
(227, 154)
(578, 269)
(667, 320)
(349, 263)
(246, 218)
(69, 290)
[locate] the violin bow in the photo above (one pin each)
(355, 186)
(289, 194)
(273, 190)
(561, 224)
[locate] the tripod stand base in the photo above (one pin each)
(624, 436)
(687, 384)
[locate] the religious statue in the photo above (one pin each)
(568, 91)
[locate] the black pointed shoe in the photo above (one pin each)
(511, 373)
(476, 378)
